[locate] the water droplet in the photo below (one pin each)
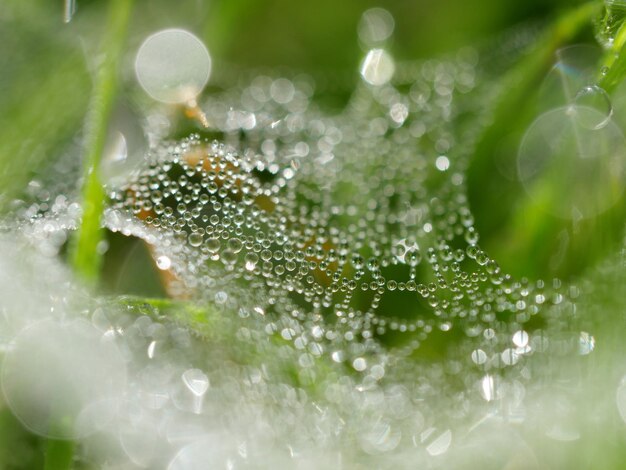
(509, 357)
(164, 263)
(195, 239)
(228, 257)
(359, 364)
(69, 10)
(586, 343)
(282, 91)
(196, 381)
(520, 338)
(487, 388)
(235, 245)
(116, 150)
(442, 163)
(173, 66)
(337, 356)
(376, 26)
(251, 261)
(378, 67)
(213, 245)
(398, 113)
(596, 98)
(124, 147)
(479, 356)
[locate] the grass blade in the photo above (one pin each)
(85, 257)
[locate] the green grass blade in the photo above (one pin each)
(85, 256)
(59, 455)
(615, 62)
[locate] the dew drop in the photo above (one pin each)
(117, 149)
(164, 263)
(376, 26)
(487, 387)
(196, 381)
(378, 67)
(359, 364)
(68, 10)
(195, 239)
(213, 245)
(479, 356)
(509, 357)
(251, 261)
(520, 338)
(594, 97)
(442, 163)
(398, 113)
(173, 66)
(586, 343)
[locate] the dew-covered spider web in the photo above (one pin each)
(333, 307)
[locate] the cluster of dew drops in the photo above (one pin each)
(342, 243)
(338, 232)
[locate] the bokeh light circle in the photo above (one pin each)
(56, 374)
(173, 66)
(569, 169)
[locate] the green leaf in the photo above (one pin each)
(59, 455)
(85, 254)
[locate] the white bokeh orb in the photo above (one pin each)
(173, 66)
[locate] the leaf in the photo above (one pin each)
(85, 256)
